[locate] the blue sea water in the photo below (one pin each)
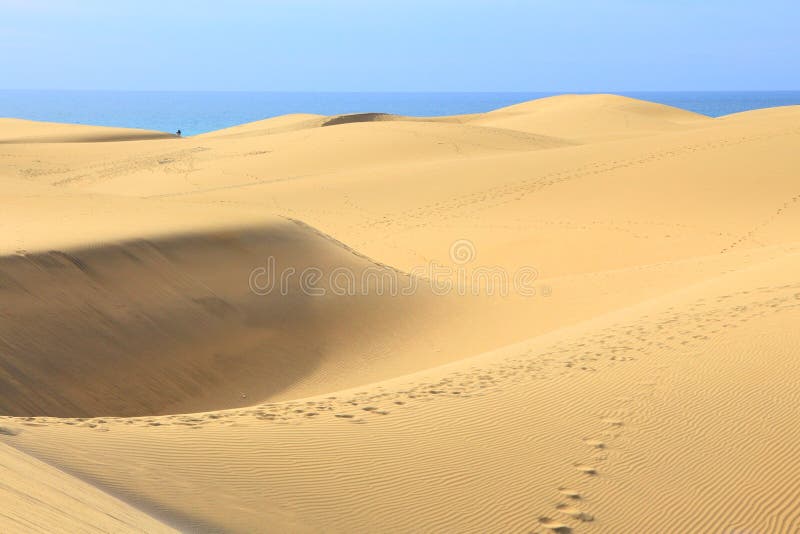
(198, 112)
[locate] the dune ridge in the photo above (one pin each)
(647, 383)
(18, 131)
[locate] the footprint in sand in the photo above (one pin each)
(595, 443)
(570, 494)
(613, 422)
(586, 469)
(554, 526)
(574, 513)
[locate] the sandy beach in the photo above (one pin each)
(574, 314)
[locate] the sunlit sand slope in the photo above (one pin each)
(18, 131)
(35, 497)
(648, 383)
(592, 117)
(574, 427)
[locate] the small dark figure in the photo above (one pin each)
(178, 133)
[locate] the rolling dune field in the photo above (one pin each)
(575, 314)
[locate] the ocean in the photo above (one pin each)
(198, 112)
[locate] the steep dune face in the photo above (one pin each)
(648, 384)
(219, 319)
(187, 323)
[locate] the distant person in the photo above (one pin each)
(178, 133)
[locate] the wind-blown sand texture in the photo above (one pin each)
(651, 384)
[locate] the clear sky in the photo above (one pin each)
(408, 45)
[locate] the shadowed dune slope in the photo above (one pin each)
(151, 326)
(219, 319)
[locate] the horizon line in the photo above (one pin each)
(307, 91)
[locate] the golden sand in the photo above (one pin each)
(648, 384)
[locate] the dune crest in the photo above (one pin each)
(592, 117)
(17, 131)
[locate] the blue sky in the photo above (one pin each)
(363, 45)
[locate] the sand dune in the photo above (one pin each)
(778, 113)
(35, 497)
(592, 117)
(647, 385)
(281, 124)
(17, 131)
(172, 325)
